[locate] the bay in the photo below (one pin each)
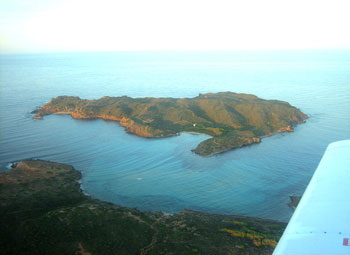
(163, 174)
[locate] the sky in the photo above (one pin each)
(113, 25)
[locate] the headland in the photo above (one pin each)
(43, 211)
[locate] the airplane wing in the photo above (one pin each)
(321, 222)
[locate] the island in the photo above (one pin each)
(44, 211)
(232, 120)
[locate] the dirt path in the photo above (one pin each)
(150, 246)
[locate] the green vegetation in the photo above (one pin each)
(43, 211)
(233, 120)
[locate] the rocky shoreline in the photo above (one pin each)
(294, 201)
(232, 120)
(43, 211)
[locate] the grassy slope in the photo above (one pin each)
(43, 211)
(233, 120)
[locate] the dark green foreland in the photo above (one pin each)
(233, 120)
(43, 211)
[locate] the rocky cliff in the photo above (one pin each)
(233, 120)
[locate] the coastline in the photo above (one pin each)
(53, 214)
(196, 133)
(131, 128)
(230, 119)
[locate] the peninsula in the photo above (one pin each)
(43, 211)
(232, 120)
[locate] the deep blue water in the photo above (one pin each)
(163, 174)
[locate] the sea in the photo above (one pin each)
(163, 174)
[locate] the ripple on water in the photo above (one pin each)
(163, 174)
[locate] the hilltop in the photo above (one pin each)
(43, 211)
(232, 120)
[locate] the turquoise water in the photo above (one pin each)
(163, 174)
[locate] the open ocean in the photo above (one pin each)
(163, 174)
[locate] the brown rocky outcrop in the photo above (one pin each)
(286, 129)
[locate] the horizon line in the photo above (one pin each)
(170, 50)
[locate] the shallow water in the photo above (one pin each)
(163, 174)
